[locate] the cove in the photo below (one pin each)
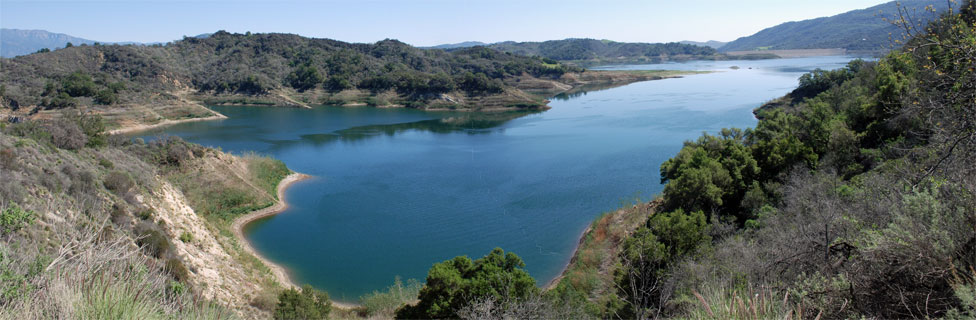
(397, 190)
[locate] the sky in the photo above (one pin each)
(419, 22)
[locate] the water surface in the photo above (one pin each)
(397, 190)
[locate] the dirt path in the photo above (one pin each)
(278, 271)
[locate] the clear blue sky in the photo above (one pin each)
(424, 22)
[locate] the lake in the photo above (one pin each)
(396, 190)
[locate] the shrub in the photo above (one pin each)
(306, 303)
(14, 218)
(186, 237)
(78, 84)
(152, 242)
(145, 214)
(452, 283)
(106, 97)
(386, 302)
(118, 182)
(118, 214)
(264, 301)
(177, 269)
(105, 163)
(67, 135)
(8, 159)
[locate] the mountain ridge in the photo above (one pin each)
(868, 29)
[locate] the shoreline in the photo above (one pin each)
(572, 258)
(167, 122)
(279, 272)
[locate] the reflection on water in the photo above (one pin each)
(470, 123)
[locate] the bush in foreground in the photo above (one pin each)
(306, 303)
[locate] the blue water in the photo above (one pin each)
(397, 190)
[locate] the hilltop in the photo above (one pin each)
(866, 30)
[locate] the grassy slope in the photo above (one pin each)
(123, 192)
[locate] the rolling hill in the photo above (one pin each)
(592, 51)
(858, 30)
(144, 85)
(710, 43)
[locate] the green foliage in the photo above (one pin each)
(479, 84)
(92, 125)
(338, 83)
(78, 84)
(777, 147)
(649, 254)
(14, 218)
(453, 283)
(712, 173)
(186, 237)
(304, 77)
(817, 81)
(268, 172)
(17, 284)
(106, 97)
(306, 303)
(587, 49)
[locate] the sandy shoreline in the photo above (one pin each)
(279, 272)
(144, 127)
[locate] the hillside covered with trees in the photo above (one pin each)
(591, 51)
(280, 69)
(865, 30)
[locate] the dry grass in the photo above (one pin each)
(761, 303)
(95, 275)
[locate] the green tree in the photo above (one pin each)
(79, 84)
(304, 77)
(105, 96)
(306, 303)
(712, 173)
(650, 252)
(453, 283)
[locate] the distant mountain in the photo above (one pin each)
(466, 44)
(15, 42)
(711, 43)
(858, 30)
(591, 51)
